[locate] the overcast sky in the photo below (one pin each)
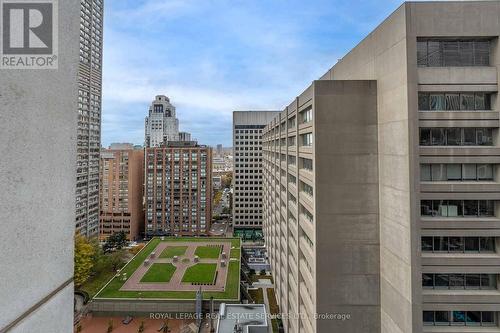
(213, 56)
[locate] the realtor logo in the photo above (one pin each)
(28, 34)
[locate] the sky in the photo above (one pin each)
(211, 57)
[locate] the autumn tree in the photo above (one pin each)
(227, 179)
(84, 259)
(118, 240)
(116, 259)
(217, 197)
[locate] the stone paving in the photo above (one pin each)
(175, 284)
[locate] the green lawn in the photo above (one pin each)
(257, 295)
(200, 273)
(208, 252)
(273, 308)
(236, 253)
(159, 273)
(112, 290)
(172, 251)
(95, 283)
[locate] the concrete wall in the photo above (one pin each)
(382, 56)
(38, 122)
(347, 212)
(146, 308)
(456, 19)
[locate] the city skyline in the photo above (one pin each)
(360, 192)
(236, 70)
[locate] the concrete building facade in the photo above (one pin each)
(37, 201)
(401, 229)
(321, 207)
(161, 125)
(178, 189)
(89, 117)
(121, 192)
(247, 167)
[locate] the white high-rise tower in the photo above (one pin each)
(161, 125)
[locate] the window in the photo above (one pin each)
(471, 208)
(306, 164)
(425, 172)
(469, 172)
(437, 102)
(484, 171)
(458, 318)
(306, 139)
(456, 172)
(449, 52)
(306, 115)
(457, 208)
(457, 245)
(456, 136)
(306, 188)
(304, 212)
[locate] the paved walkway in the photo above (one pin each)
(175, 284)
(100, 324)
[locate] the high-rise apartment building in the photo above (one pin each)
(381, 185)
(89, 117)
(161, 125)
(121, 192)
(247, 170)
(178, 189)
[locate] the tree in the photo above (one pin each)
(118, 240)
(110, 326)
(227, 179)
(84, 259)
(141, 327)
(116, 259)
(164, 328)
(217, 197)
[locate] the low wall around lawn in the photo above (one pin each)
(146, 308)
